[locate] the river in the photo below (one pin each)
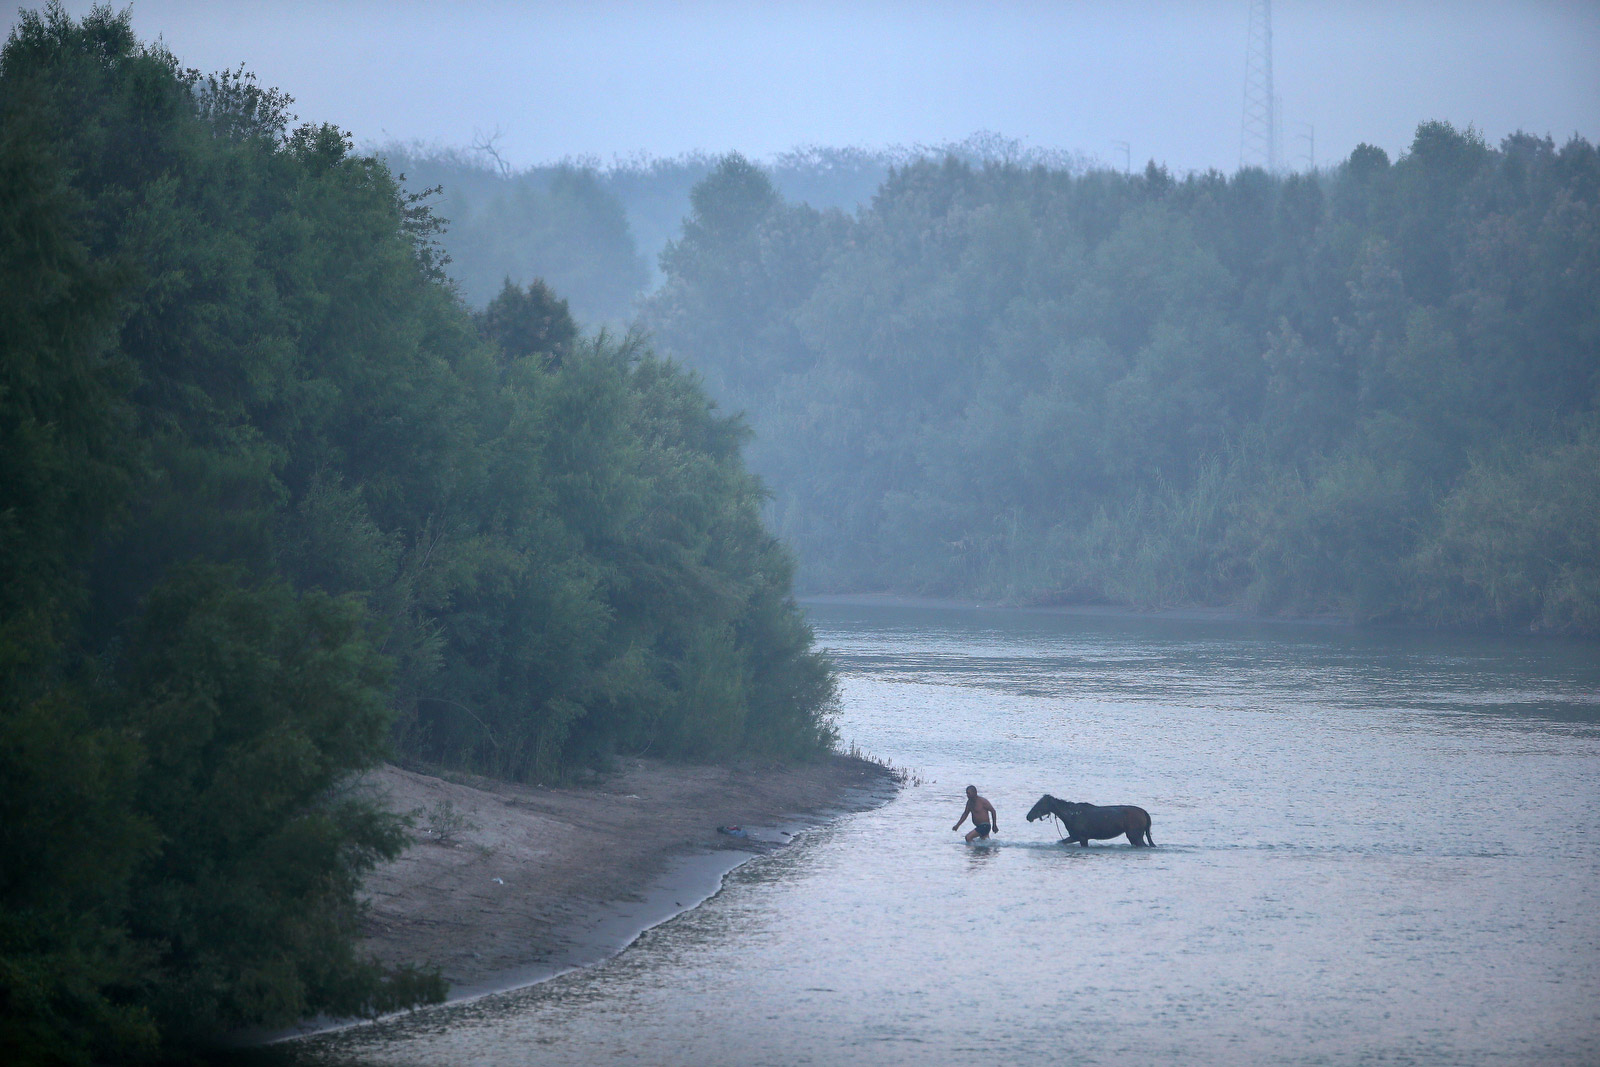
(1372, 847)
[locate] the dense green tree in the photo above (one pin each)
(254, 705)
(532, 321)
(274, 501)
(594, 232)
(69, 839)
(1275, 392)
(1518, 541)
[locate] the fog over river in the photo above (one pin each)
(1373, 847)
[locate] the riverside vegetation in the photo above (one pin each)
(1367, 392)
(595, 233)
(1370, 392)
(274, 503)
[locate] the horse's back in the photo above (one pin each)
(1134, 814)
(1130, 819)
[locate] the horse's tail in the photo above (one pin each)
(1147, 838)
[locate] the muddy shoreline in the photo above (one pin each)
(510, 884)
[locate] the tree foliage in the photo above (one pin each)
(595, 232)
(1307, 393)
(273, 501)
(561, 224)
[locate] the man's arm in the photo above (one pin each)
(964, 813)
(994, 818)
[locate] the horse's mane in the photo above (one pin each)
(1055, 805)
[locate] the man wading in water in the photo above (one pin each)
(983, 815)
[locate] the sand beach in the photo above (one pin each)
(508, 884)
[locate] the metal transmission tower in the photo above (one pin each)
(1258, 141)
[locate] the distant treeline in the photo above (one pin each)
(595, 233)
(273, 500)
(1368, 392)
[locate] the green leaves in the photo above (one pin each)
(254, 704)
(270, 499)
(1038, 384)
(1518, 538)
(529, 322)
(613, 529)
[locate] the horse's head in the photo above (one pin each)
(1041, 809)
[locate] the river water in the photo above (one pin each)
(1373, 847)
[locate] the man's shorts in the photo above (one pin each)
(982, 828)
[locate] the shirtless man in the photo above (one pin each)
(983, 815)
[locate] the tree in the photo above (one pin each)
(528, 322)
(1041, 383)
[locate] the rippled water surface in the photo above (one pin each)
(1373, 848)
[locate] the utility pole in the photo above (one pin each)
(1258, 139)
(1308, 134)
(1127, 155)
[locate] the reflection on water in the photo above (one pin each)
(1371, 847)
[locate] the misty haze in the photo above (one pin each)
(750, 534)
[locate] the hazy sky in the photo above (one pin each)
(613, 79)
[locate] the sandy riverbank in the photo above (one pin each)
(507, 884)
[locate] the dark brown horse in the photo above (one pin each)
(1085, 821)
